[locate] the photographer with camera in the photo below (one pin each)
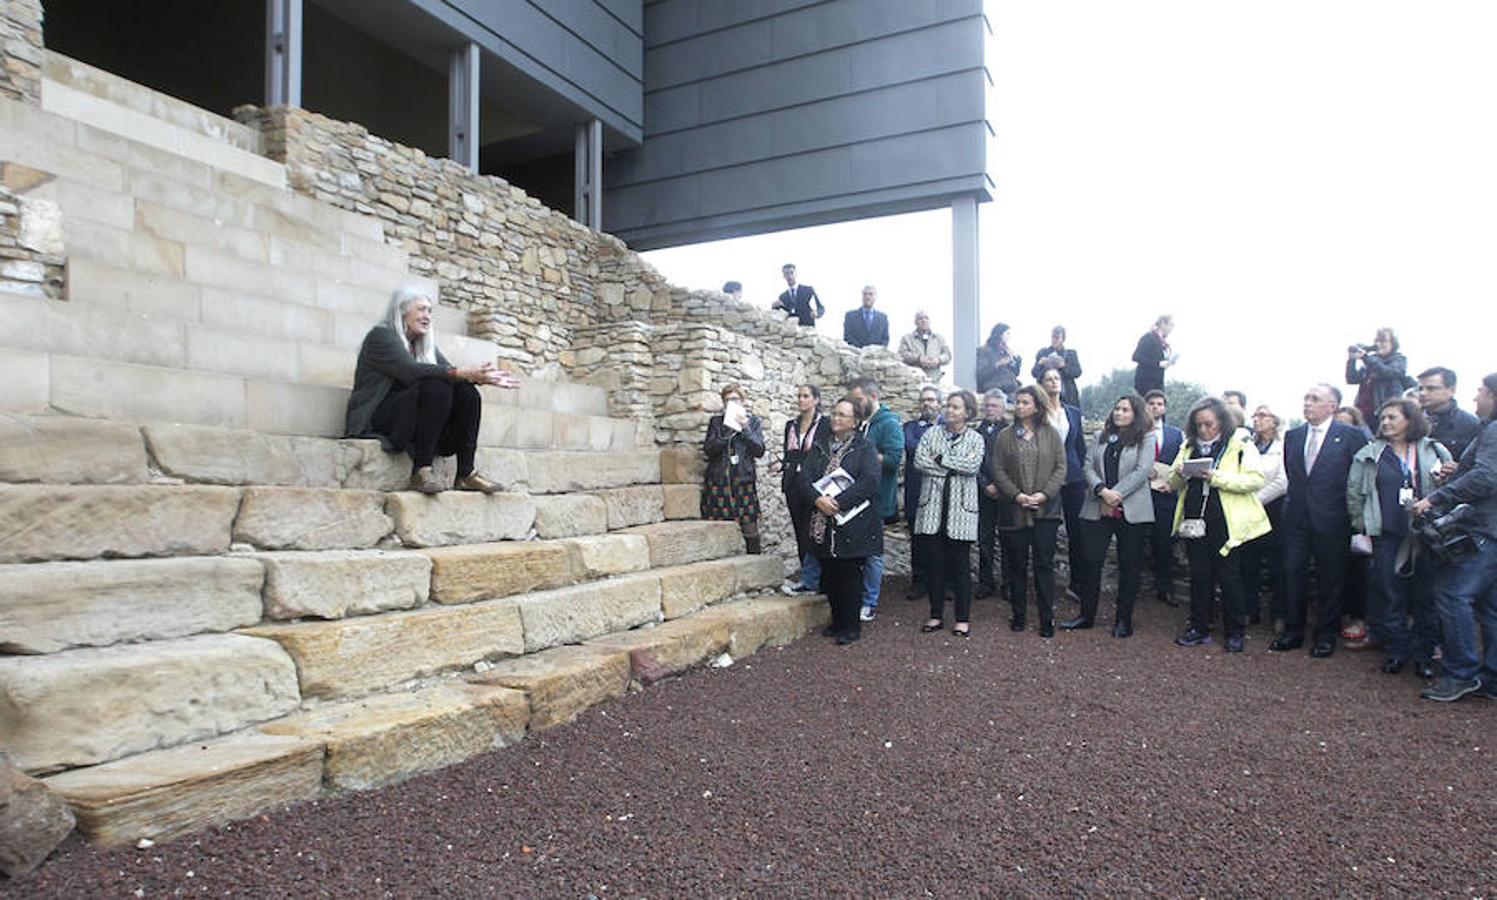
(1466, 589)
(1388, 476)
(1381, 375)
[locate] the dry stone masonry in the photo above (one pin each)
(21, 52)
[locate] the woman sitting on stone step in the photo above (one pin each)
(730, 492)
(406, 394)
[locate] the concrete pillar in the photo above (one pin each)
(283, 52)
(587, 207)
(462, 106)
(966, 320)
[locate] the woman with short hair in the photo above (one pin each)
(1216, 513)
(1028, 465)
(408, 396)
(1117, 503)
(1379, 371)
(730, 486)
(948, 459)
(1390, 474)
(1264, 554)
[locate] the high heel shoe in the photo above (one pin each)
(1077, 624)
(932, 625)
(962, 629)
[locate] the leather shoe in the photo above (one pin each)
(829, 631)
(1323, 649)
(426, 481)
(930, 627)
(476, 482)
(1393, 665)
(1284, 643)
(1425, 669)
(1047, 630)
(983, 592)
(1077, 624)
(1119, 630)
(1015, 624)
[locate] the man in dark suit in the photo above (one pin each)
(1317, 458)
(1167, 441)
(866, 326)
(800, 300)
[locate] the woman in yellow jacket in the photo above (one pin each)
(1217, 477)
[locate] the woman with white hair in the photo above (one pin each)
(406, 394)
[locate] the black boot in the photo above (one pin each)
(751, 539)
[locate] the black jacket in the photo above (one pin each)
(990, 375)
(384, 364)
(723, 442)
(1454, 427)
(803, 304)
(1474, 482)
(1150, 355)
(821, 434)
(863, 535)
(860, 334)
(1070, 370)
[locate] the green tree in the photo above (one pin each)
(1097, 398)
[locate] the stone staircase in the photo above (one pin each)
(211, 606)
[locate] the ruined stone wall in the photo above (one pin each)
(21, 50)
(31, 246)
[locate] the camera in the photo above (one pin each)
(1364, 348)
(1444, 535)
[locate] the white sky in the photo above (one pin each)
(1284, 176)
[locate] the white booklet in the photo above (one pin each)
(735, 416)
(833, 483)
(1192, 467)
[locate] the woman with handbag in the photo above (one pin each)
(1389, 475)
(948, 459)
(1218, 477)
(1118, 504)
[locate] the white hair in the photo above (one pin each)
(425, 347)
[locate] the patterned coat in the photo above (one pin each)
(960, 458)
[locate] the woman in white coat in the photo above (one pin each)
(1262, 557)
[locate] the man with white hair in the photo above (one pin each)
(924, 349)
(866, 326)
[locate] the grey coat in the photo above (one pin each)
(959, 461)
(1135, 464)
(384, 364)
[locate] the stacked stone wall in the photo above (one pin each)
(21, 50)
(31, 247)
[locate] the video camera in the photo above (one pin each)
(1444, 536)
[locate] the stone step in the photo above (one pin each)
(171, 793)
(359, 655)
(678, 543)
(382, 738)
(60, 522)
(82, 707)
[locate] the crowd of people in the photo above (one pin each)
(1373, 523)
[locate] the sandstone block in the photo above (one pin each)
(571, 614)
(238, 456)
(33, 820)
(389, 737)
(669, 648)
(364, 465)
(601, 555)
(457, 517)
(755, 573)
(47, 607)
(562, 682)
(288, 518)
(560, 471)
(637, 505)
(331, 584)
(678, 543)
(347, 657)
(63, 450)
(482, 571)
(93, 705)
(569, 515)
(768, 621)
(170, 793)
(682, 465)
(39, 522)
(682, 501)
(686, 589)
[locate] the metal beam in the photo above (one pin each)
(462, 106)
(587, 207)
(966, 318)
(283, 52)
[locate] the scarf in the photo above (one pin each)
(819, 520)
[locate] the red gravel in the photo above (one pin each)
(911, 764)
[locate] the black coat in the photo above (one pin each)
(384, 365)
(860, 334)
(803, 304)
(1070, 370)
(821, 433)
(723, 442)
(1150, 355)
(863, 535)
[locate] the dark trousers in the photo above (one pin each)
(433, 417)
(1396, 598)
(1329, 551)
(1162, 542)
(1263, 558)
(919, 565)
(987, 542)
(1210, 570)
(1071, 498)
(1356, 586)
(1036, 541)
(1095, 536)
(950, 567)
(842, 582)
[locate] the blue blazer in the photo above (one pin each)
(1075, 446)
(1173, 438)
(1317, 501)
(858, 334)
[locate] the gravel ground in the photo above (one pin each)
(909, 765)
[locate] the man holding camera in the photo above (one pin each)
(1466, 592)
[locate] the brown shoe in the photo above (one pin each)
(426, 481)
(476, 482)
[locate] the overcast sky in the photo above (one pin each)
(1283, 177)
